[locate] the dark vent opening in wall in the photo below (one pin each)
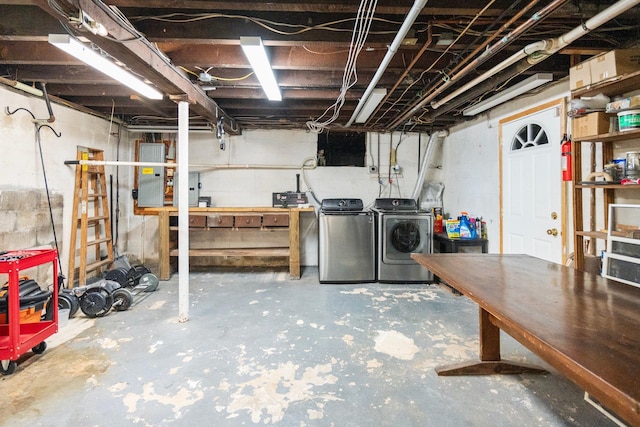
(342, 149)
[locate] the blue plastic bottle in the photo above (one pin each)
(467, 229)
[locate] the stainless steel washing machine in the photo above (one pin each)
(346, 242)
(402, 229)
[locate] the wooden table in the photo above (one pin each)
(585, 326)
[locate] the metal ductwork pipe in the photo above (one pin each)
(538, 51)
(397, 41)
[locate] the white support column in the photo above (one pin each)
(183, 211)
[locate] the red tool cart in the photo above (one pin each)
(18, 336)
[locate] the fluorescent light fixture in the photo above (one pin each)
(377, 95)
(103, 64)
(257, 56)
(518, 89)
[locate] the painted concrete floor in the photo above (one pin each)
(260, 349)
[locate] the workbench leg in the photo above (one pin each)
(163, 250)
(294, 244)
(490, 361)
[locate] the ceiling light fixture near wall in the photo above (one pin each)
(377, 95)
(518, 89)
(103, 64)
(257, 56)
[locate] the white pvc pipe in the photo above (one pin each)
(521, 54)
(397, 41)
(183, 211)
(192, 165)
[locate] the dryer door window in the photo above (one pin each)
(404, 236)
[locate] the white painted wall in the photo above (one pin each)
(466, 161)
(470, 161)
(284, 152)
(21, 168)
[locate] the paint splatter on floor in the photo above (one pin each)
(396, 345)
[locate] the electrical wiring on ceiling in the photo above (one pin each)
(434, 63)
(222, 79)
(350, 76)
(265, 23)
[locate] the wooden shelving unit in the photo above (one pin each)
(613, 87)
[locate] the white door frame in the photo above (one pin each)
(561, 104)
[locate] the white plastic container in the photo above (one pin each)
(629, 120)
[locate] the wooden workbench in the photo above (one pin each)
(242, 220)
(585, 326)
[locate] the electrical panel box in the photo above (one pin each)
(151, 178)
(194, 188)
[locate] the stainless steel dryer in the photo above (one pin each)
(346, 242)
(402, 229)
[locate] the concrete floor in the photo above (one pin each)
(262, 349)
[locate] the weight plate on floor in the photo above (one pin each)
(118, 275)
(122, 299)
(96, 302)
(150, 282)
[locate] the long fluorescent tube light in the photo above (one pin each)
(257, 56)
(103, 64)
(377, 95)
(518, 89)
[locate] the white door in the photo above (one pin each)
(532, 198)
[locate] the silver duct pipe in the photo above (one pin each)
(397, 41)
(423, 167)
(538, 51)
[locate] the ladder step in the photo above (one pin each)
(94, 218)
(97, 242)
(98, 264)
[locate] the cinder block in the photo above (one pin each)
(19, 200)
(8, 221)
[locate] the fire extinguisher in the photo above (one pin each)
(565, 146)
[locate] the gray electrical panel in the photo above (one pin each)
(194, 188)
(151, 178)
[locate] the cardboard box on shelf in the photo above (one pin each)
(590, 124)
(614, 63)
(579, 75)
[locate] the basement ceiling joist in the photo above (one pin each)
(308, 44)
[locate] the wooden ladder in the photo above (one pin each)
(90, 210)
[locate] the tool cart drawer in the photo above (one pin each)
(222, 221)
(275, 220)
(248, 221)
(197, 221)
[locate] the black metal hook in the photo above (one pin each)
(52, 130)
(10, 113)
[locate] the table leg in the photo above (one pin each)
(294, 244)
(163, 242)
(490, 361)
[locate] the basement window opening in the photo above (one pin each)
(341, 149)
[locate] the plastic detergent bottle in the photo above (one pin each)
(467, 229)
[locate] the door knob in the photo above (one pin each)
(552, 232)
(554, 215)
